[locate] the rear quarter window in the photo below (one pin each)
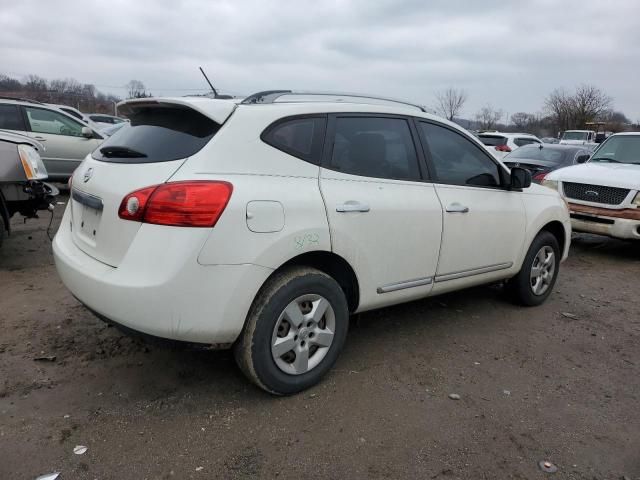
(158, 134)
(302, 137)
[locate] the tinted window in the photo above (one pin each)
(300, 137)
(158, 134)
(555, 156)
(55, 123)
(457, 160)
(520, 141)
(10, 118)
(374, 147)
(492, 140)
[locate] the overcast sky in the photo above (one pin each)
(509, 54)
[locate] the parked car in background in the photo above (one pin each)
(604, 194)
(578, 137)
(295, 215)
(103, 120)
(552, 140)
(500, 143)
(22, 175)
(67, 140)
(544, 158)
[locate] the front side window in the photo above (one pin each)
(300, 137)
(374, 147)
(48, 121)
(457, 160)
(10, 118)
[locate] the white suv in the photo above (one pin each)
(263, 224)
(500, 144)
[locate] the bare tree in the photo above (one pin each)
(449, 102)
(488, 117)
(136, 89)
(522, 120)
(587, 104)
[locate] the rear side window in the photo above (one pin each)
(301, 137)
(374, 147)
(158, 133)
(492, 140)
(10, 118)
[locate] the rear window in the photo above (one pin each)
(493, 140)
(552, 155)
(301, 137)
(521, 141)
(158, 134)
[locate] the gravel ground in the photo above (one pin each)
(560, 382)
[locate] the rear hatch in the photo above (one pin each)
(162, 135)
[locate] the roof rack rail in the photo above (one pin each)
(18, 99)
(270, 96)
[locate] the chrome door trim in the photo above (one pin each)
(418, 282)
(472, 272)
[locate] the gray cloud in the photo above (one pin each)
(509, 53)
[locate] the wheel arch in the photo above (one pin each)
(333, 265)
(556, 228)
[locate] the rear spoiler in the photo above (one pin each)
(217, 110)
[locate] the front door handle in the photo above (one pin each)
(40, 139)
(352, 206)
(457, 208)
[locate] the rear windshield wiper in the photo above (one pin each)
(121, 152)
(604, 159)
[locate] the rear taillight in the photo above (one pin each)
(539, 177)
(503, 148)
(179, 204)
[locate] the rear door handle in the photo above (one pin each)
(352, 206)
(40, 139)
(457, 208)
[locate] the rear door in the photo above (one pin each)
(384, 216)
(484, 224)
(147, 152)
(61, 135)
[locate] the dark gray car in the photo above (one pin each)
(544, 158)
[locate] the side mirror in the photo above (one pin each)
(582, 158)
(87, 132)
(520, 178)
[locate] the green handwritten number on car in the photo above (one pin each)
(306, 240)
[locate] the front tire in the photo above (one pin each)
(294, 332)
(535, 281)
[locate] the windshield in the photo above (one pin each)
(622, 149)
(555, 156)
(492, 140)
(574, 136)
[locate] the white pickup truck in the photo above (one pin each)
(578, 137)
(603, 194)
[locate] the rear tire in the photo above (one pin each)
(537, 277)
(294, 332)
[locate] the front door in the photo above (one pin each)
(384, 216)
(65, 147)
(484, 223)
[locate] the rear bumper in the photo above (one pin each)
(175, 298)
(624, 224)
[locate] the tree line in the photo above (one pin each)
(68, 91)
(562, 110)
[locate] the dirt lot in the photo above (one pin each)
(534, 384)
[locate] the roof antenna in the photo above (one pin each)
(215, 93)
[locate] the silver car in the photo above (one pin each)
(67, 140)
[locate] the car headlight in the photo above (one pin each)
(636, 201)
(31, 163)
(550, 184)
